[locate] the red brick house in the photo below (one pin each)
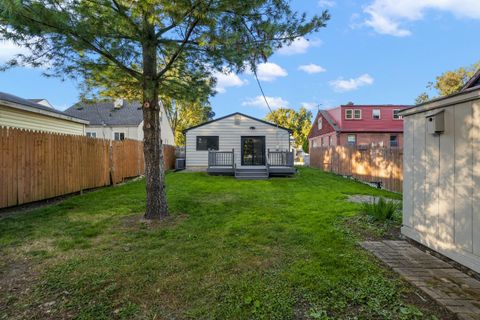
(359, 125)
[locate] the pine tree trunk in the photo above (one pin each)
(156, 207)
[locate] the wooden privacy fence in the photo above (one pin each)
(38, 165)
(384, 165)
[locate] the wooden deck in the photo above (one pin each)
(279, 164)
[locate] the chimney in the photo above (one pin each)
(118, 103)
(350, 103)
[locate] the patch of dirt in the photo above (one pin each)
(361, 198)
(138, 221)
(16, 277)
(368, 230)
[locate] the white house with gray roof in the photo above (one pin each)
(118, 120)
(16, 112)
(241, 145)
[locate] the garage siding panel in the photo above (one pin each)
(408, 173)
(475, 135)
(419, 125)
(463, 177)
(446, 182)
(432, 145)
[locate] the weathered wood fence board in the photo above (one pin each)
(38, 165)
(383, 165)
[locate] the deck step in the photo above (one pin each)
(252, 178)
(251, 173)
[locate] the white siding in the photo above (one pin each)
(107, 132)
(230, 138)
(444, 171)
(15, 118)
(134, 132)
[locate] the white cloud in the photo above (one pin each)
(326, 3)
(269, 71)
(227, 80)
(312, 68)
(389, 16)
(8, 50)
(298, 46)
(312, 106)
(342, 85)
(259, 101)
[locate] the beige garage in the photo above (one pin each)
(441, 200)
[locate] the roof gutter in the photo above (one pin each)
(442, 102)
(42, 112)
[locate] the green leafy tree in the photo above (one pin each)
(298, 121)
(142, 41)
(185, 114)
(449, 82)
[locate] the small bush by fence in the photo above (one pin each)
(384, 165)
(38, 165)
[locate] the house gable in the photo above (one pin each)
(473, 82)
(233, 115)
(327, 125)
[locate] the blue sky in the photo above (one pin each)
(372, 52)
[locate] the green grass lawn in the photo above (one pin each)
(273, 249)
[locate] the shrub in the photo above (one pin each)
(381, 210)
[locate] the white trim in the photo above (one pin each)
(354, 111)
(379, 114)
(348, 118)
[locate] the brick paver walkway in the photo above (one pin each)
(450, 287)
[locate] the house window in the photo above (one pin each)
(351, 139)
(349, 114)
(357, 114)
(330, 141)
(376, 114)
(396, 115)
(393, 141)
(205, 143)
(119, 135)
(321, 139)
(320, 124)
(91, 134)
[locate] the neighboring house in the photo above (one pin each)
(21, 113)
(43, 102)
(358, 125)
(441, 197)
(118, 120)
(239, 144)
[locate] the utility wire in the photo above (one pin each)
(263, 94)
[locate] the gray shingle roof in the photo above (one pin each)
(28, 103)
(103, 113)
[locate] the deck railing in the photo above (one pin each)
(221, 158)
(280, 158)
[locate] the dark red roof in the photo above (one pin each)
(386, 123)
